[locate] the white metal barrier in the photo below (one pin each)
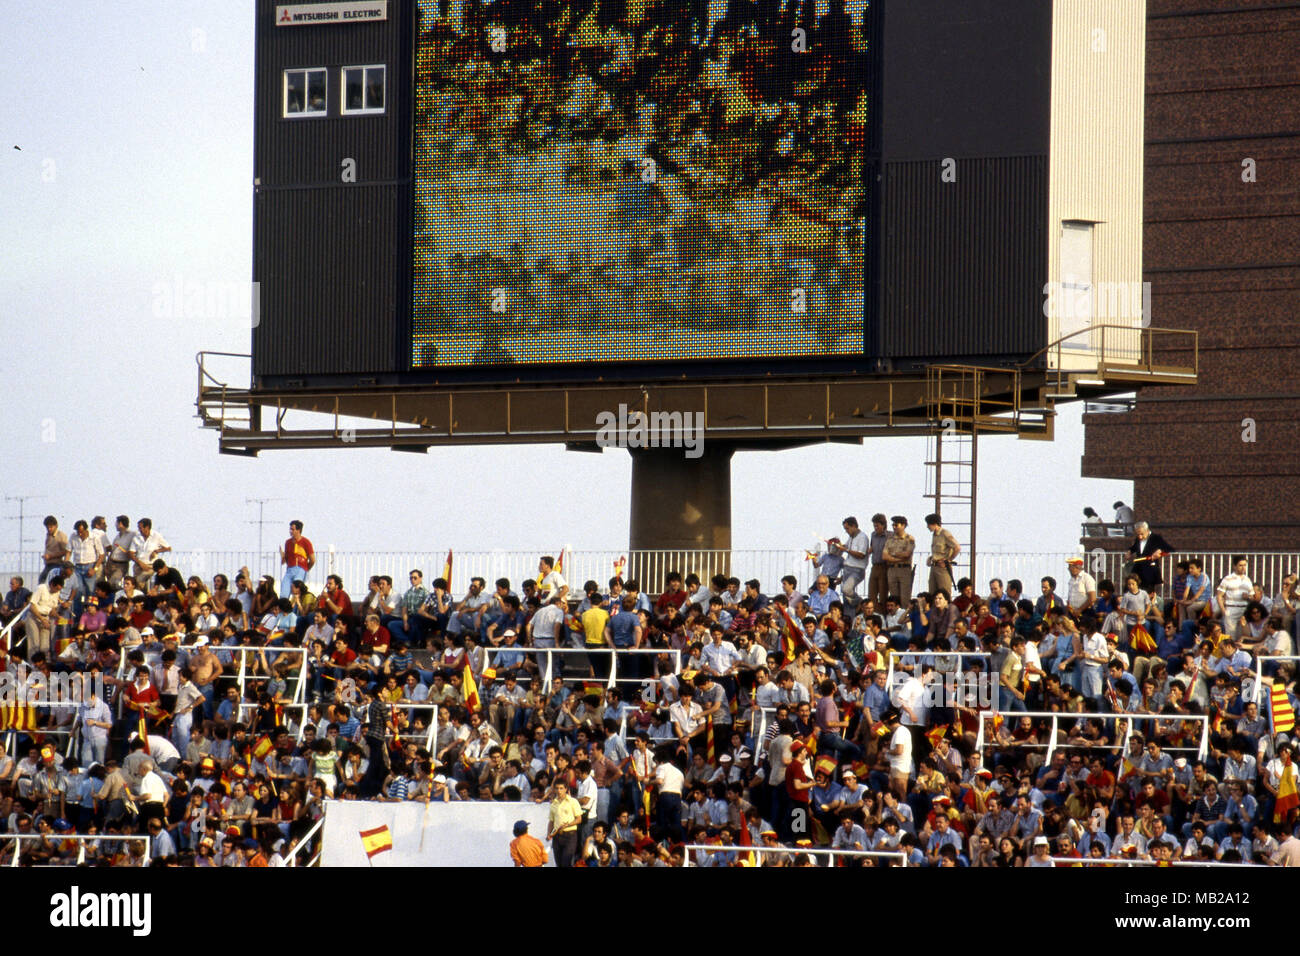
(1260, 660)
(895, 656)
(1129, 720)
(9, 628)
(304, 842)
(79, 838)
(612, 653)
(1066, 861)
(739, 850)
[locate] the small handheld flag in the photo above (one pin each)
(446, 572)
(1280, 707)
(378, 840)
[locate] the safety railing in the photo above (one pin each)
(918, 659)
(304, 842)
(1127, 721)
(613, 654)
(80, 838)
(9, 628)
(651, 567)
(1117, 861)
(894, 855)
(1260, 680)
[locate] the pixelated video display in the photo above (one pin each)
(630, 180)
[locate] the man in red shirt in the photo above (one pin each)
(674, 596)
(1151, 794)
(142, 700)
(335, 601)
(297, 556)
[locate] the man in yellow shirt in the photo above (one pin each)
(594, 620)
(562, 827)
(527, 850)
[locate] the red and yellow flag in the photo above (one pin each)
(936, 733)
(263, 747)
(708, 740)
(1280, 706)
(825, 764)
(646, 797)
(378, 840)
(1140, 639)
(470, 689)
(446, 572)
(792, 635)
(745, 838)
(1287, 797)
(144, 735)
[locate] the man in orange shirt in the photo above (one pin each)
(253, 854)
(526, 850)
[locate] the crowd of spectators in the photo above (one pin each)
(758, 725)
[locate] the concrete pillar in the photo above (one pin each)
(680, 504)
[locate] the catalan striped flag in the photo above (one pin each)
(378, 840)
(446, 572)
(1282, 712)
(709, 744)
(144, 734)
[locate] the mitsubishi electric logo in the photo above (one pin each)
(77, 910)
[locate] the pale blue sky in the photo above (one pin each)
(134, 122)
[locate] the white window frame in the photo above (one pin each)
(365, 86)
(306, 113)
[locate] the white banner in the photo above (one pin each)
(314, 14)
(460, 833)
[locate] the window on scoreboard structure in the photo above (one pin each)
(306, 92)
(363, 90)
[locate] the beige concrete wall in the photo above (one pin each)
(1096, 163)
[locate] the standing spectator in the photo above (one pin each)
(1233, 595)
(56, 548)
(298, 557)
(119, 554)
(1123, 517)
(1147, 549)
(87, 555)
(42, 617)
(943, 550)
(855, 552)
(1080, 589)
(146, 547)
(899, 569)
(563, 823)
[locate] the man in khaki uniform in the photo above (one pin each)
(943, 549)
(898, 561)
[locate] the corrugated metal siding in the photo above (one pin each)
(1098, 84)
(329, 291)
(333, 258)
(964, 261)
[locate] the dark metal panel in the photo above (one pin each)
(966, 78)
(965, 261)
(327, 261)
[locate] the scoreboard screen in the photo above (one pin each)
(630, 180)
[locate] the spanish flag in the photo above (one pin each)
(377, 840)
(792, 636)
(446, 572)
(745, 838)
(1140, 639)
(1280, 706)
(1287, 797)
(936, 733)
(470, 689)
(825, 764)
(144, 735)
(559, 563)
(646, 797)
(262, 747)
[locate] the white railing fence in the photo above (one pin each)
(650, 567)
(832, 855)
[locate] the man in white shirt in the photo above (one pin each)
(909, 698)
(900, 754)
(854, 552)
(40, 620)
(146, 547)
(554, 589)
(1080, 588)
(1233, 594)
